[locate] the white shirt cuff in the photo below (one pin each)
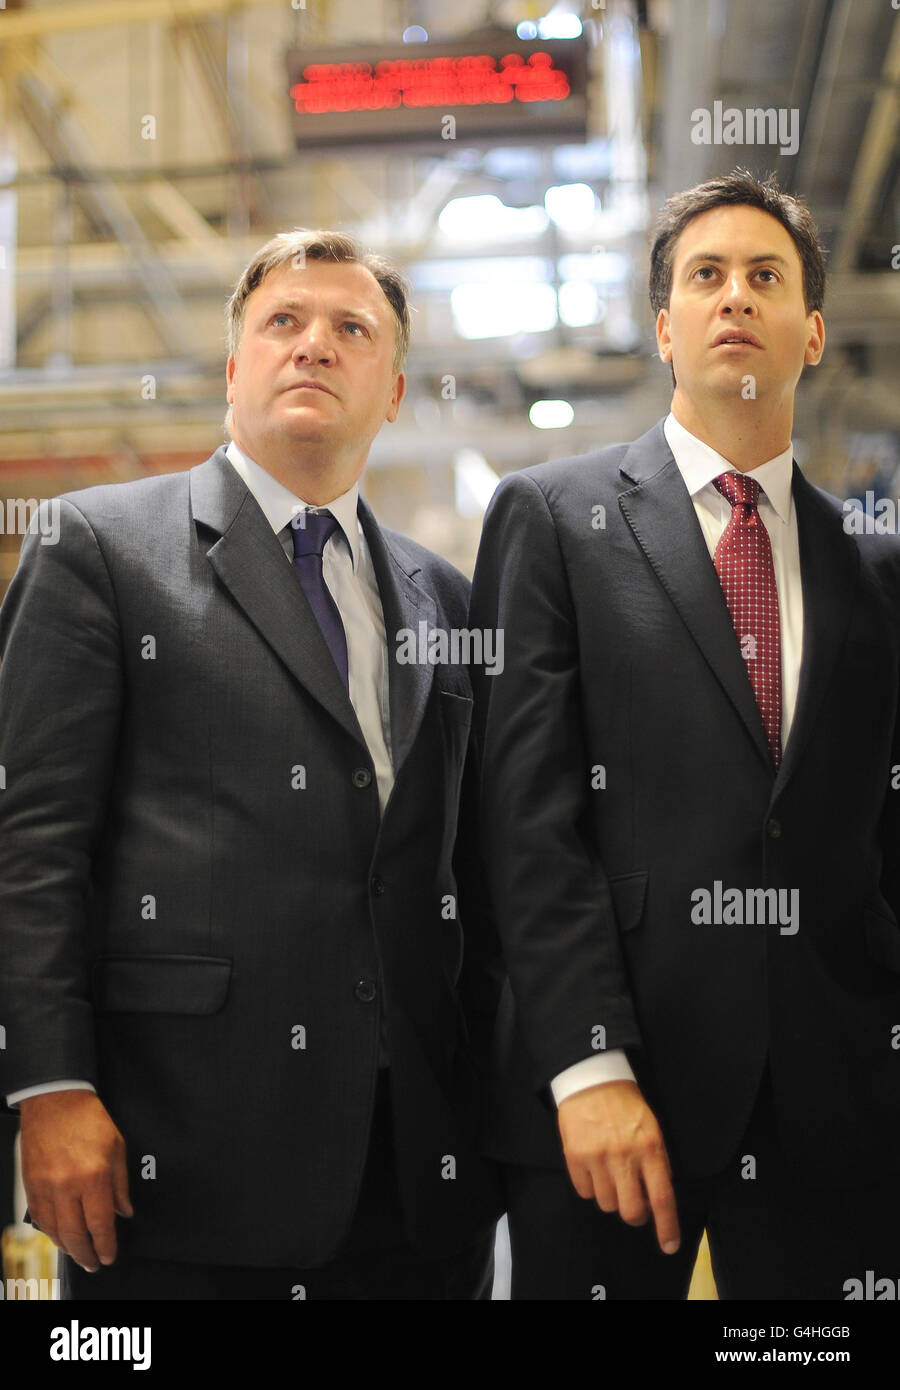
(593, 1071)
(16, 1096)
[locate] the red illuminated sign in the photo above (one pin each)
(506, 88)
(471, 81)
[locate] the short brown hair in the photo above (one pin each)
(317, 245)
(738, 187)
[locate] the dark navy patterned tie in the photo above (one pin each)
(310, 531)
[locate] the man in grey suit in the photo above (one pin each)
(249, 980)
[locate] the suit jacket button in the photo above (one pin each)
(365, 990)
(361, 777)
(773, 829)
(377, 887)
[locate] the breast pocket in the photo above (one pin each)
(456, 720)
(456, 702)
(456, 713)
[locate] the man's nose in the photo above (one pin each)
(315, 343)
(737, 295)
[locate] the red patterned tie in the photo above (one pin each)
(743, 560)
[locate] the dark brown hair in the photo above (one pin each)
(738, 187)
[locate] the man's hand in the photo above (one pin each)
(615, 1153)
(74, 1173)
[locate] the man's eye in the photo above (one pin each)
(705, 270)
(770, 273)
(357, 326)
(276, 317)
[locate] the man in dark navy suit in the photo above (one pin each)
(691, 824)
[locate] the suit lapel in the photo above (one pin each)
(829, 566)
(250, 562)
(661, 515)
(405, 605)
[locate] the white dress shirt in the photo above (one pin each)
(350, 577)
(699, 465)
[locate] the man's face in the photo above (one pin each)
(314, 366)
(737, 274)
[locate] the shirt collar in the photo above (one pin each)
(698, 464)
(280, 505)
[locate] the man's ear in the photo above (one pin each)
(663, 339)
(230, 368)
(815, 343)
(397, 393)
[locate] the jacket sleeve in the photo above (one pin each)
(60, 705)
(551, 895)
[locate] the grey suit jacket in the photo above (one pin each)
(202, 910)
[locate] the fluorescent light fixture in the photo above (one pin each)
(484, 216)
(559, 25)
(445, 274)
(601, 267)
(500, 311)
(571, 206)
(551, 415)
(578, 304)
(415, 34)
